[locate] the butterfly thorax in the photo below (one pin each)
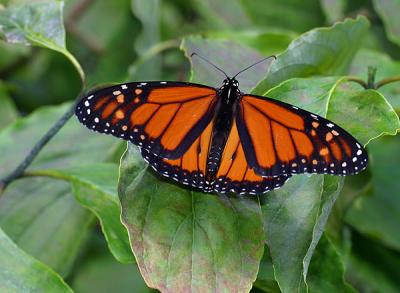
(227, 104)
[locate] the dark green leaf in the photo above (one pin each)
(265, 278)
(8, 112)
(387, 10)
(372, 267)
(289, 14)
(321, 51)
(38, 23)
(190, 241)
(42, 217)
(20, 272)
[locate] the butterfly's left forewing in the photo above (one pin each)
(163, 118)
(279, 138)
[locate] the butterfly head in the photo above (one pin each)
(231, 83)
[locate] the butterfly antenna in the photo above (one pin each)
(209, 62)
(248, 67)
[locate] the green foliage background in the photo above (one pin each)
(87, 216)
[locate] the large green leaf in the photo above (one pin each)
(321, 51)
(386, 67)
(15, 141)
(95, 187)
(186, 241)
(376, 211)
(20, 272)
(387, 10)
(38, 23)
(42, 217)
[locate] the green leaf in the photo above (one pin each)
(321, 51)
(333, 10)
(267, 42)
(189, 241)
(20, 272)
(386, 67)
(95, 187)
(387, 10)
(289, 14)
(42, 217)
(222, 53)
(38, 23)
(8, 111)
(15, 141)
(326, 273)
(376, 211)
(364, 113)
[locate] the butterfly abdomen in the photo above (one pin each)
(225, 113)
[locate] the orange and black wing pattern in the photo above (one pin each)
(164, 118)
(279, 138)
(234, 174)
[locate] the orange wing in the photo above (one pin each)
(162, 117)
(234, 174)
(279, 138)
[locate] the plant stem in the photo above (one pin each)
(357, 80)
(20, 169)
(371, 77)
(387, 81)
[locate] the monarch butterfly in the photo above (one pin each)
(220, 139)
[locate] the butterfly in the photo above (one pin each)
(221, 139)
